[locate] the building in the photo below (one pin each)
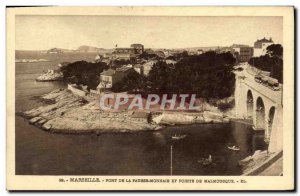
(148, 66)
(124, 56)
(243, 52)
(111, 76)
(139, 48)
(227, 49)
(128, 53)
(107, 55)
(54, 51)
(149, 51)
(99, 58)
(139, 68)
(224, 50)
(260, 46)
(200, 51)
(192, 52)
(160, 54)
(124, 53)
(167, 52)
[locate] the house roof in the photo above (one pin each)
(138, 65)
(133, 45)
(100, 85)
(123, 69)
(124, 48)
(264, 40)
(238, 45)
(109, 72)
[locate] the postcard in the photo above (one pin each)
(150, 98)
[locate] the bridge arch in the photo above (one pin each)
(271, 115)
(267, 108)
(249, 103)
(260, 114)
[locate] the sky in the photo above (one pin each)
(70, 32)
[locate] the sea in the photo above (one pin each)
(39, 152)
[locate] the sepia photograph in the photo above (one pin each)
(153, 92)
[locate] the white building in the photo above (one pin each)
(260, 46)
(139, 68)
(147, 67)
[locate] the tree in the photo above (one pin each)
(133, 83)
(272, 62)
(178, 56)
(275, 50)
(121, 62)
(83, 72)
(208, 75)
(149, 56)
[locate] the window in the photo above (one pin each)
(105, 78)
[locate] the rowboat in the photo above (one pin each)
(207, 161)
(233, 148)
(178, 137)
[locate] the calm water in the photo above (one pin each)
(41, 153)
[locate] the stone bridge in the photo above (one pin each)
(263, 105)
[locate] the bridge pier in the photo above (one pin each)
(240, 100)
(265, 106)
(276, 134)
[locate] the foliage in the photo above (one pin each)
(131, 83)
(208, 75)
(271, 62)
(225, 106)
(275, 50)
(178, 56)
(149, 56)
(82, 72)
(120, 62)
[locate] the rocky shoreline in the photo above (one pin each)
(69, 113)
(50, 75)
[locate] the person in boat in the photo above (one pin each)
(234, 148)
(207, 161)
(209, 157)
(176, 136)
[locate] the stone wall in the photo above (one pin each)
(76, 91)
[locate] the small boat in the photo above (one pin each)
(178, 137)
(207, 161)
(233, 148)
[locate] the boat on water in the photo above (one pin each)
(205, 161)
(234, 148)
(178, 137)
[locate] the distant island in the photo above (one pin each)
(93, 49)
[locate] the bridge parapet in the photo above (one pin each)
(247, 76)
(266, 92)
